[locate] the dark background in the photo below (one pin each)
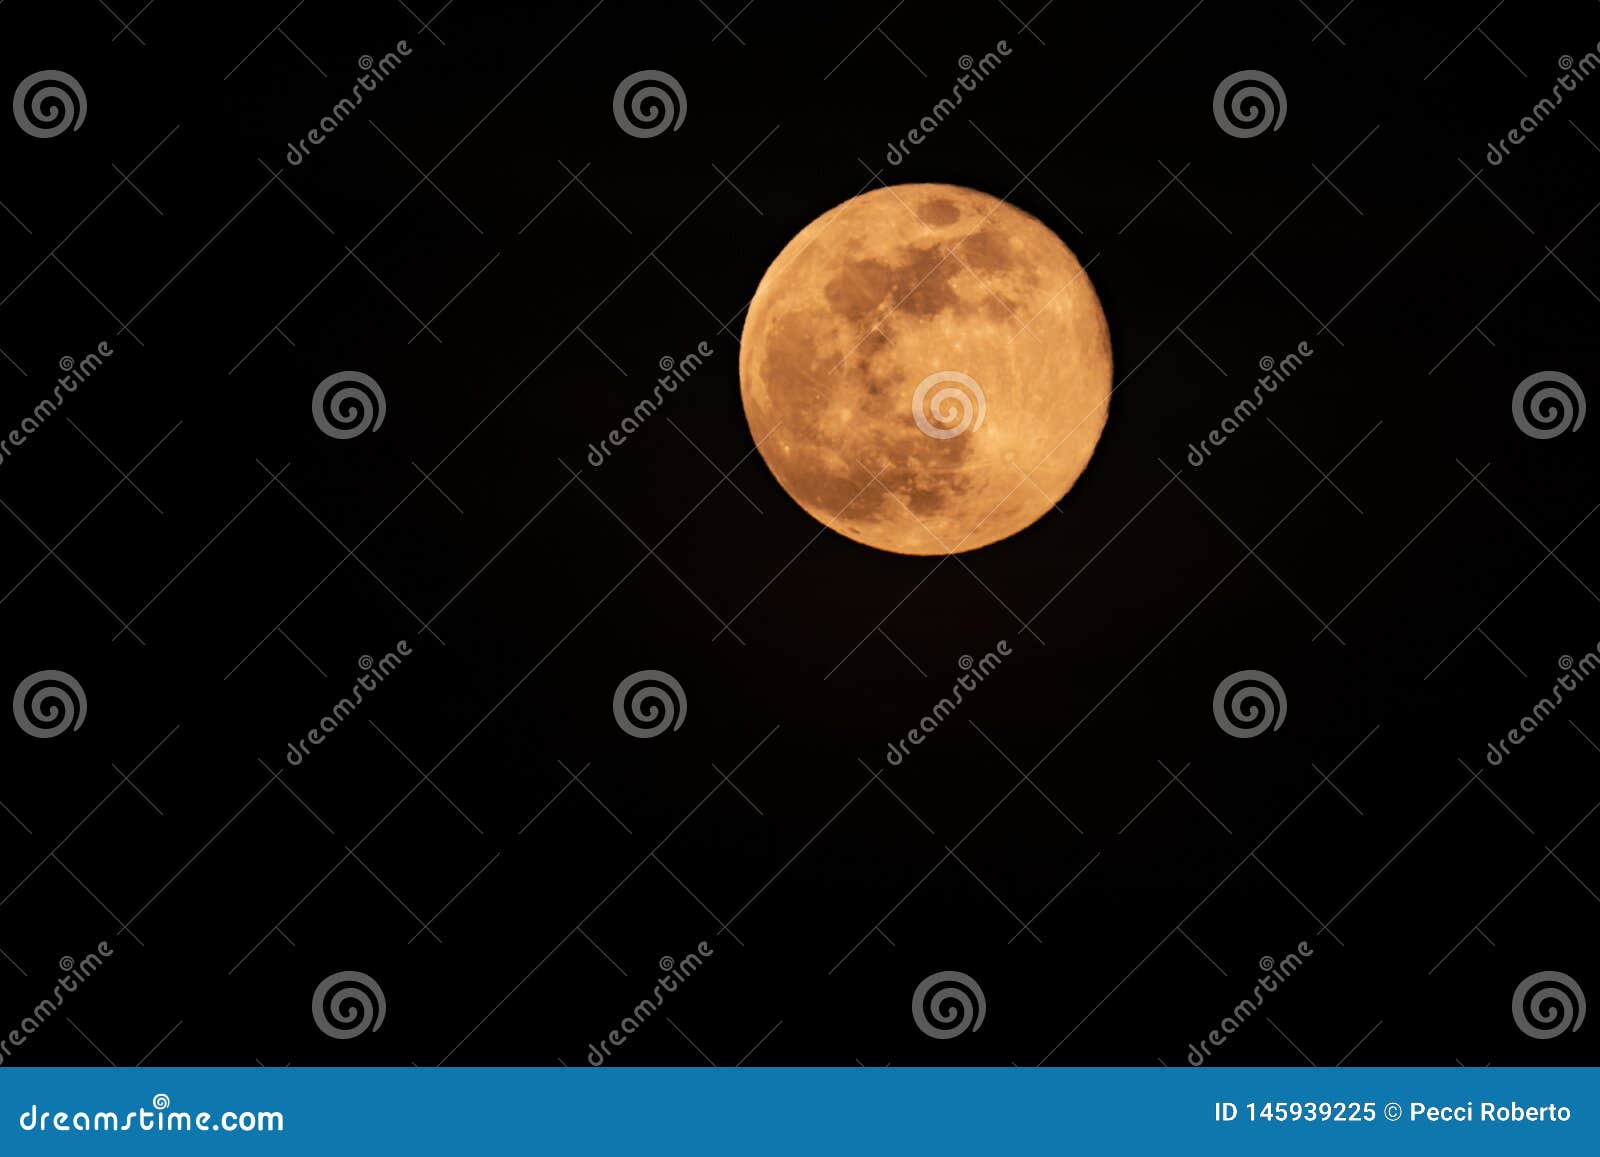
(229, 284)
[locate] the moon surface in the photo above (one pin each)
(926, 369)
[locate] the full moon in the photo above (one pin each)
(926, 369)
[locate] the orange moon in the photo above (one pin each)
(926, 369)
